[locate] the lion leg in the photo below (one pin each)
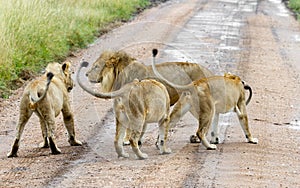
(142, 134)
(181, 107)
(120, 133)
(127, 137)
(135, 136)
(69, 124)
(243, 118)
(16, 144)
(50, 124)
(163, 133)
(121, 116)
(128, 134)
(215, 130)
(45, 143)
(24, 116)
(202, 137)
(205, 120)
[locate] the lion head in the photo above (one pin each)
(63, 72)
(107, 67)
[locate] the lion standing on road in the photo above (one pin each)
(206, 98)
(47, 96)
(136, 104)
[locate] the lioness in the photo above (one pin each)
(47, 96)
(206, 98)
(113, 69)
(136, 104)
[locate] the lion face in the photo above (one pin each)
(95, 73)
(67, 76)
(102, 71)
(62, 72)
(107, 67)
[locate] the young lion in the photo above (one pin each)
(47, 96)
(206, 99)
(135, 105)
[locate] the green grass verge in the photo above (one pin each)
(34, 33)
(295, 6)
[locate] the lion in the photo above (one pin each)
(46, 96)
(136, 104)
(206, 98)
(114, 69)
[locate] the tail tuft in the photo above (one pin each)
(247, 87)
(154, 52)
(50, 76)
(84, 64)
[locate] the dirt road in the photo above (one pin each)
(258, 40)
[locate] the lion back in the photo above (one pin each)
(151, 97)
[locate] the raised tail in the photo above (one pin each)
(180, 87)
(247, 87)
(35, 97)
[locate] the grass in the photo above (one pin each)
(34, 32)
(295, 6)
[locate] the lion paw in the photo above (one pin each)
(167, 151)
(125, 155)
(75, 142)
(143, 156)
(126, 143)
(253, 141)
(194, 139)
(56, 151)
(215, 141)
(212, 147)
(44, 145)
(159, 144)
(11, 154)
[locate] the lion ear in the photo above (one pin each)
(66, 66)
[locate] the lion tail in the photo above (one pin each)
(108, 95)
(180, 87)
(35, 97)
(247, 87)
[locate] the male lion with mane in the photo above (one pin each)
(47, 96)
(136, 104)
(113, 69)
(206, 98)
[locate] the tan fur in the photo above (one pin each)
(136, 104)
(47, 102)
(206, 99)
(114, 69)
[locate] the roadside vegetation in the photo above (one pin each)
(34, 33)
(294, 5)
